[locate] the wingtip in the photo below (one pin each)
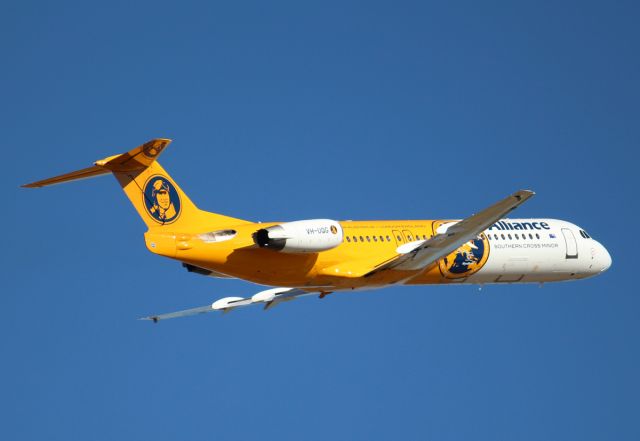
(153, 319)
(524, 194)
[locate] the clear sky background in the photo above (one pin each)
(297, 110)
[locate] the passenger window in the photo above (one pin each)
(517, 236)
(361, 239)
(495, 236)
(509, 236)
(388, 239)
(375, 238)
(399, 239)
(368, 239)
(381, 238)
(537, 236)
(530, 236)
(409, 238)
(348, 238)
(355, 239)
(502, 235)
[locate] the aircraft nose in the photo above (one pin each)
(604, 257)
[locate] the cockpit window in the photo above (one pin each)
(584, 234)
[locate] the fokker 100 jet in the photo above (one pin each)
(323, 256)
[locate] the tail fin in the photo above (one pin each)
(158, 199)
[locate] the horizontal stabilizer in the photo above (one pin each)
(137, 159)
(85, 173)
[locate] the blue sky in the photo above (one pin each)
(296, 110)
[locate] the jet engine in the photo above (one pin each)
(305, 236)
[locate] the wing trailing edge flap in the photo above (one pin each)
(421, 254)
(270, 298)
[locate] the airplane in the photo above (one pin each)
(324, 256)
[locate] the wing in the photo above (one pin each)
(420, 254)
(270, 298)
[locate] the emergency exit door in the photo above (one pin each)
(397, 236)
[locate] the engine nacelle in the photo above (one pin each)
(306, 236)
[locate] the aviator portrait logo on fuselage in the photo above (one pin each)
(467, 259)
(161, 200)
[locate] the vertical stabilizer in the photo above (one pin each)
(159, 201)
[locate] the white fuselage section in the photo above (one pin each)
(540, 250)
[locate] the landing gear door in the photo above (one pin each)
(572, 245)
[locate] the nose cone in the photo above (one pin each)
(604, 258)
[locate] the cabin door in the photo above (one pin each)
(572, 245)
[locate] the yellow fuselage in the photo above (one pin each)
(365, 244)
(322, 255)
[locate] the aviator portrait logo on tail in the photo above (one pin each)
(161, 200)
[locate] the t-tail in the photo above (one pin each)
(159, 201)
